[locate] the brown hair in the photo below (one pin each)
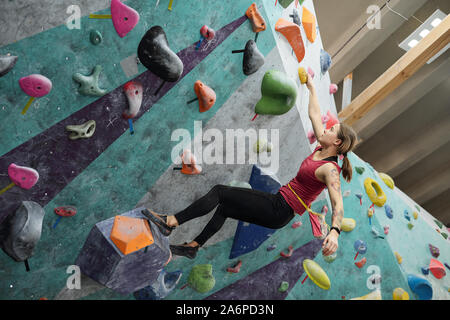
(348, 137)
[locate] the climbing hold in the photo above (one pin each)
(292, 33)
(374, 295)
(399, 257)
(155, 54)
(444, 235)
(287, 255)
(425, 270)
(261, 145)
(35, 85)
(316, 274)
(255, 17)
(89, 84)
(253, 58)
(236, 268)
(279, 94)
(410, 226)
(376, 233)
(205, 95)
(85, 130)
(360, 246)
(311, 72)
(420, 286)
(360, 170)
(22, 230)
(400, 294)
(374, 191)
(440, 224)
(271, 247)
(333, 88)
(309, 24)
(386, 229)
(23, 177)
(348, 224)
(361, 263)
(189, 165)
(95, 37)
(346, 193)
(295, 17)
(448, 267)
(359, 196)
(6, 64)
(130, 234)
(134, 91)
(330, 258)
(123, 17)
(201, 278)
(325, 61)
(296, 224)
(415, 215)
(303, 75)
(332, 120)
(311, 136)
(166, 282)
(406, 215)
(324, 210)
(387, 180)
(389, 211)
(284, 286)
(434, 250)
(64, 211)
(207, 32)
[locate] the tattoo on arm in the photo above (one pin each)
(335, 181)
(337, 217)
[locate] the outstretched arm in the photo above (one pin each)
(333, 182)
(314, 110)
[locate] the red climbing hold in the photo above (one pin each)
(66, 211)
(361, 263)
(287, 255)
(236, 268)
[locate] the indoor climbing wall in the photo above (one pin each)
(98, 132)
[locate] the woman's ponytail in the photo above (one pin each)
(348, 137)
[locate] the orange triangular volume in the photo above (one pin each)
(309, 23)
(206, 96)
(130, 234)
(257, 20)
(292, 33)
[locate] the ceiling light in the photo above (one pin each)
(413, 43)
(424, 33)
(436, 22)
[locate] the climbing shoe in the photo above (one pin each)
(160, 221)
(185, 251)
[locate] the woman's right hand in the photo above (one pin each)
(309, 83)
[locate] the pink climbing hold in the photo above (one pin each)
(23, 177)
(437, 268)
(311, 72)
(133, 90)
(35, 85)
(207, 32)
(333, 88)
(123, 17)
(386, 229)
(332, 120)
(325, 210)
(297, 224)
(311, 137)
(236, 268)
(287, 255)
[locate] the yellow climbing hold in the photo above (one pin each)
(348, 224)
(374, 191)
(303, 75)
(374, 295)
(400, 294)
(399, 257)
(387, 179)
(415, 215)
(316, 274)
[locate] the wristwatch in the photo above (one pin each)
(337, 230)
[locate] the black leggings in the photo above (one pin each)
(253, 206)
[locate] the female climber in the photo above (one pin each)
(318, 171)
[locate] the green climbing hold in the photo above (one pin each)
(96, 37)
(440, 224)
(410, 226)
(279, 94)
(360, 170)
(417, 207)
(89, 84)
(201, 278)
(444, 235)
(284, 286)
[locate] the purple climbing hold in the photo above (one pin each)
(434, 250)
(448, 267)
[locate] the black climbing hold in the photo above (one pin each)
(155, 54)
(253, 58)
(295, 17)
(6, 64)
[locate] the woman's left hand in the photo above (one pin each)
(330, 244)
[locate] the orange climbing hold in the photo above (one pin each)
(292, 33)
(189, 163)
(130, 234)
(437, 268)
(257, 20)
(206, 96)
(309, 24)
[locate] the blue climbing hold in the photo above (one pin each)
(389, 212)
(325, 61)
(406, 214)
(420, 286)
(425, 270)
(360, 246)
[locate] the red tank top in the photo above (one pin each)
(305, 184)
